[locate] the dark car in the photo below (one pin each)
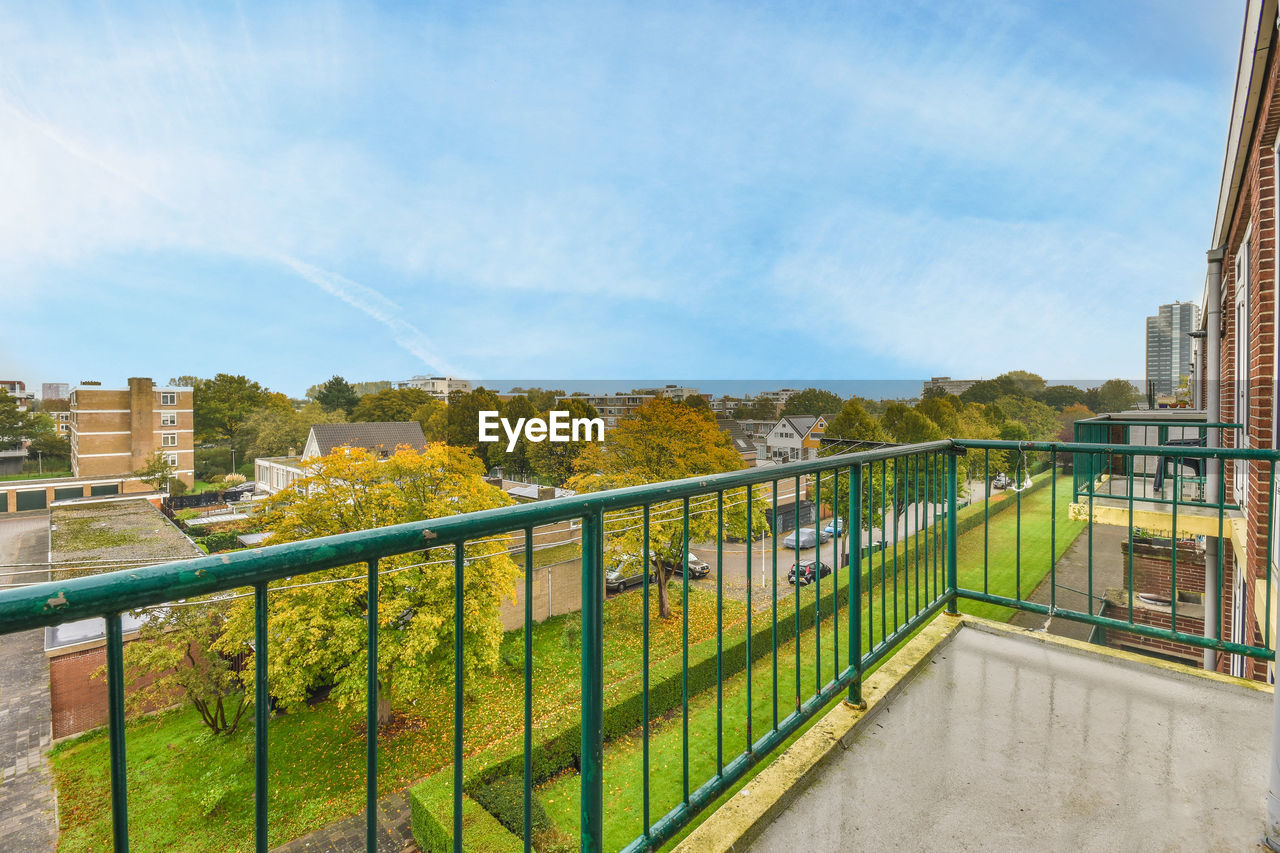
(625, 574)
(698, 567)
(807, 574)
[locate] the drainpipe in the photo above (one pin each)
(1213, 467)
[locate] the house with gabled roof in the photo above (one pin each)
(381, 439)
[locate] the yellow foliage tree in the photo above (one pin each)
(318, 622)
(665, 440)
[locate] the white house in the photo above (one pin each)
(793, 437)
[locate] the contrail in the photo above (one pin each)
(369, 301)
(375, 305)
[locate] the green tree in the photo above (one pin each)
(1023, 383)
(909, 426)
(987, 391)
(554, 461)
(812, 401)
(1040, 421)
(1061, 396)
(390, 405)
(174, 655)
(434, 417)
(52, 448)
(319, 629)
(697, 401)
(664, 440)
(943, 411)
(463, 418)
(852, 422)
(517, 459)
(336, 394)
(157, 472)
(222, 404)
(756, 409)
(1114, 395)
(543, 399)
(278, 430)
(14, 424)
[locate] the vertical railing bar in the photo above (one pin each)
(855, 582)
(773, 530)
(897, 498)
(261, 710)
(751, 538)
(1222, 498)
(371, 726)
(684, 658)
(644, 620)
(528, 687)
(1132, 460)
(1271, 508)
(591, 770)
(796, 593)
(817, 579)
(1017, 536)
(951, 533)
(1053, 532)
(884, 610)
(115, 734)
(1173, 549)
(719, 630)
(986, 520)
(835, 572)
(1089, 556)
(915, 534)
(459, 557)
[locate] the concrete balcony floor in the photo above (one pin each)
(993, 738)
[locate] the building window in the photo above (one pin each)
(168, 398)
(168, 419)
(169, 439)
(171, 459)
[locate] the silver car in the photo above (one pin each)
(808, 536)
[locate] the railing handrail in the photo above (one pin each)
(1179, 420)
(57, 602)
(1122, 449)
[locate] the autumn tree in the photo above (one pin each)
(463, 418)
(812, 401)
(665, 440)
(174, 655)
(516, 459)
(336, 394)
(433, 415)
(909, 426)
(390, 405)
(319, 629)
(554, 460)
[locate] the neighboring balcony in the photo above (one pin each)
(977, 733)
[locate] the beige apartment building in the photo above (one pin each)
(116, 430)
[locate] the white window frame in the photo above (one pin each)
(168, 398)
(168, 419)
(168, 439)
(1239, 467)
(171, 459)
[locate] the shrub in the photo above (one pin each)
(503, 798)
(571, 634)
(431, 818)
(234, 480)
(222, 541)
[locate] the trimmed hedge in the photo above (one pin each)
(431, 818)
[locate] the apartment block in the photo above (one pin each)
(18, 390)
(437, 386)
(1169, 345)
(116, 430)
(613, 407)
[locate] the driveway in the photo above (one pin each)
(28, 808)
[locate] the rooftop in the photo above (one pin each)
(980, 736)
(124, 532)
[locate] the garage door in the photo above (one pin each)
(68, 492)
(31, 500)
(112, 489)
(4, 502)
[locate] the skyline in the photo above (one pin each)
(572, 190)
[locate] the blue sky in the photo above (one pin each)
(566, 190)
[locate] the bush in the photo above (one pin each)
(571, 634)
(195, 531)
(222, 541)
(503, 798)
(212, 462)
(431, 817)
(177, 488)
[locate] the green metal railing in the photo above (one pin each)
(1118, 475)
(871, 601)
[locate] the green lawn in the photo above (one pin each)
(177, 772)
(31, 475)
(193, 792)
(623, 770)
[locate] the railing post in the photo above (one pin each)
(855, 583)
(115, 734)
(1272, 837)
(951, 532)
(592, 762)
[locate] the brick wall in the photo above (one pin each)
(77, 700)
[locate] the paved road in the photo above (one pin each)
(28, 808)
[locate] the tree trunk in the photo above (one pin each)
(384, 702)
(664, 599)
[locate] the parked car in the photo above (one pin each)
(835, 527)
(625, 574)
(1001, 481)
(809, 571)
(698, 567)
(808, 537)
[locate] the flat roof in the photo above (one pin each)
(997, 741)
(123, 532)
